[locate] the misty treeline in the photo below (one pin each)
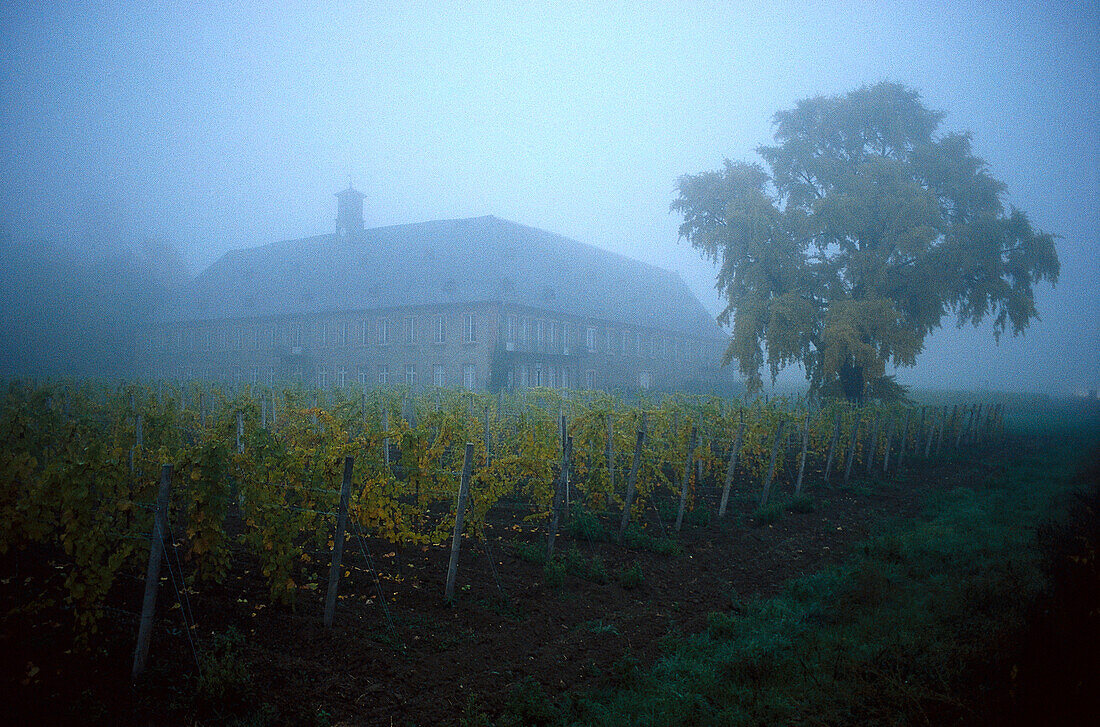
(73, 304)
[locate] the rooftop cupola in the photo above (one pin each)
(349, 212)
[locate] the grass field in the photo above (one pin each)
(982, 610)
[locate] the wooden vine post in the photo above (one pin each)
(564, 472)
(920, 432)
(686, 481)
(872, 449)
(771, 463)
(978, 425)
(610, 454)
(559, 496)
(852, 442)
(731, 466)
(337, 568)
(889, 439)
(488, 436)
(957, 425)
(932, 424)
(152, 573)
(386, 436)
(632, 480)
(904, 439)
(802, 456)
(832, 447)
(460, 514)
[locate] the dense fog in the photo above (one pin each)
(142, 142)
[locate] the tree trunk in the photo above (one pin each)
(851, 382)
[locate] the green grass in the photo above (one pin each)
(897, 634)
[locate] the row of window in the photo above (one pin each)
(328, 334)
(537, 375)
(520, 377)
(340, 377)
(524, 333)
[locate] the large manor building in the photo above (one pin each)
(481, 303)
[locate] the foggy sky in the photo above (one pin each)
(229, 126)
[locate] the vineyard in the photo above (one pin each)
(273, 481)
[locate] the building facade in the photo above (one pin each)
(480, 303)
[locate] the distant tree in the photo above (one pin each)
(866, 229)
(74, 308)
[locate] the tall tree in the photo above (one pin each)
(865, 229)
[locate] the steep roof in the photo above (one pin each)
(444, 261)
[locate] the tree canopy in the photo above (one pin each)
(865, 229)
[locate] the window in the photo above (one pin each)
(438, 374)
(551, 377)
(440, 330)
(607, 341)
(254, 338)
(523, 377)
(362, 376)
(383, 375)
(590, 339)
(410, 374)
(590, 379)
(298, 336)
(342, 333)
(271, 376)
(565, 378)
(323, 339)
(523, 332)
(553, 334)
(274, 334)
(362, 333)
(410, 330)
(342, 377)
(469, 377)
(645, 380)
(538, 374)
(255, 375)
(322, 379)
(538, 335)
(469, 328)
(238, 339)
(566, 332)
(384, 332)
(298, 376)
(510, 330)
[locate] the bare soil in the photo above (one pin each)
(438, 660)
